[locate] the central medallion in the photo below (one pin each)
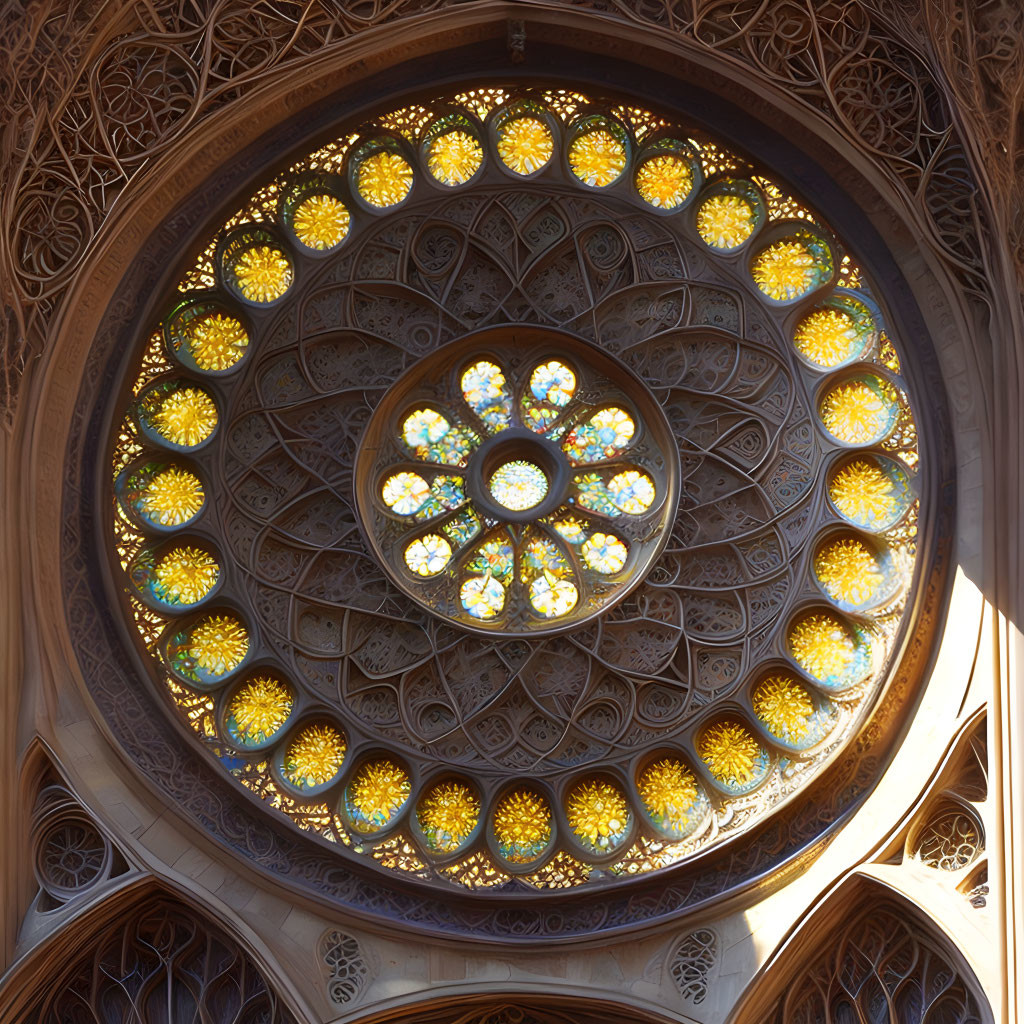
(517, 481)
(518, 485)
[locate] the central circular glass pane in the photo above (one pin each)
(518, 485)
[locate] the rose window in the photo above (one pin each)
(520, 485)
(519, 491)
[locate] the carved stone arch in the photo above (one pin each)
(866, 950)
(519, 1007)
(68, 856)
(144, 946)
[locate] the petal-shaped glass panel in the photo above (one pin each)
(486, 393)
(453, 157)
(175, 577)
(602, 436)
(161, 494)
(861, 410)
(733, 755)
(405, 493)
(383, 179)
(208, 650)
(791, 267)
(604, 553)
(790, 712)
(177, 414)
(674, 800)
(483, 597)
(320, 221)
(314, 756)
(550, 389)
(598, 157)
(837, 332)
(258, 710)
(428, 555)
(525, 144)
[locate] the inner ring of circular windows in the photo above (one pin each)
(522, 485)
(519, 481)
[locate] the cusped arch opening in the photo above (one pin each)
(141, 954)
(866, 953)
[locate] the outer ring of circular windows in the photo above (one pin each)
(670, 798)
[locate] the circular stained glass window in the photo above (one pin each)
(519, 481)
(509, 490)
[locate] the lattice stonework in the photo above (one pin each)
(519, 485)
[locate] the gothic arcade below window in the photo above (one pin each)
(521, 485)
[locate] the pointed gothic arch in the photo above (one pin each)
(867, 953)
(143, 955)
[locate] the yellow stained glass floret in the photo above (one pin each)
(822, 645)
(725, 221)
(172, 497)
(785, 270)
(730, 751)
(320, 222)
(664, 181)
(453, 158)
(784, 706)
(185, 575)
(863, 493)
(597, 158)
(315, 756)
(597, 812)
(216, 341)
(826, 336)
(263, 273)
(856, 413)
(447, 814)
(848, 570)
(186, 417)
(525, 144)
(218, 644)
(522, 825)
(378, 792)
(668, 789)
(260, 708)
(384, 179)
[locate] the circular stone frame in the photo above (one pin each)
(528, 344)
(299, 864)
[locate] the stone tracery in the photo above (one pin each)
(952, 170)
(331, 619)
